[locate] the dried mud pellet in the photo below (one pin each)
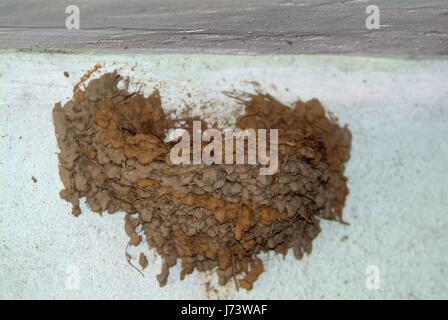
(143, 261)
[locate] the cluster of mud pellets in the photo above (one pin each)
(207, 217)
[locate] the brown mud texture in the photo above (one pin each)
(215, 217)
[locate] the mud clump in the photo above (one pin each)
(207, 217)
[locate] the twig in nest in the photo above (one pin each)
(234, 276)
(130, 95)
(129, 258)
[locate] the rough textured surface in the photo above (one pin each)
(397, 113)
(214, 217)
(412, 28)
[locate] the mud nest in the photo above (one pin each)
(208, 217)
